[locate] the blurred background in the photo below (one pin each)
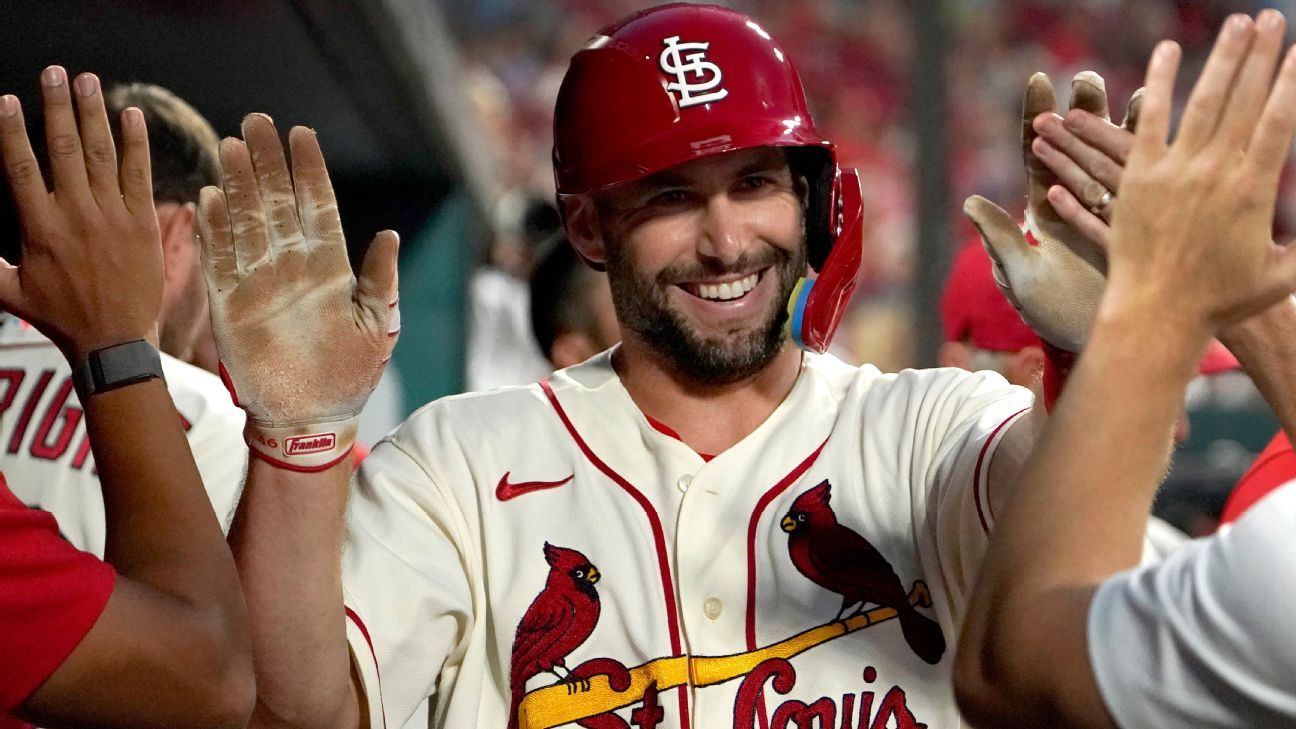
(436, 120)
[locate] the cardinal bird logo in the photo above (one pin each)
(559, 620)
(840, 560)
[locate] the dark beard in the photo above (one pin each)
(642, 307)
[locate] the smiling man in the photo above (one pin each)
(704, 526)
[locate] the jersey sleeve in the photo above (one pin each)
(214, 428)
(1205, 638)
(962, 420)
(409, 603)
(51, 594)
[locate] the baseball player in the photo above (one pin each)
(44, 444)
(157, 635)
(702, 527)
(1058, 633)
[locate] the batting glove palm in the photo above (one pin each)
(302, 341)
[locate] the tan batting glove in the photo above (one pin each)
(302, 342)
(1052, 273)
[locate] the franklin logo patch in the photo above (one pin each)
(301, 445)
(697, 80)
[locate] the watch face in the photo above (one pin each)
(117, 366)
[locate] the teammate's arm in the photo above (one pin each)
(302, 342)
(1176, 277)
(170, 647)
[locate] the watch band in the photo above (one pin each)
(117, 366)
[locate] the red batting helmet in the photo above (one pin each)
(681, 82)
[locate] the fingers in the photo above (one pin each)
(1130, 123)
(377, 284)
(1154, 112)
(1038, 100)
(316, 205)
(96, 139)
(1211, 94)
(220, 265)
(273, 181)
(62, 141)
(247, 217)
(1089, 93)
(1001, 234)
(25, 181)
(1112, 141)
(136, 169)
(1251, 88)
(1269, 147)
(1080, 217)
(1089, 179)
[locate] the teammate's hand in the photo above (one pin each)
(1087, 155)
(91, 273)
(302, 341)
(1055, 283)
(1207, 260)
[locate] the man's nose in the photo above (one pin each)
(721, 231)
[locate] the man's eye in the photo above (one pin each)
(754, 182)
(669, 197)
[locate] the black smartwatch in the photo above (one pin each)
(117, 366)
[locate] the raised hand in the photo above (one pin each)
(1206, 260)
(91, 273)
(1056, 278)
(302, 341)
(1087, 155)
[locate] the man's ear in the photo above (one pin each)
(583, 230)
(176, 223)
(954, 354)
(1025, 366)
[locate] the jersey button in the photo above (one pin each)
(684, 481)
(712, 608)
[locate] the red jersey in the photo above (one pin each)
(51, 594)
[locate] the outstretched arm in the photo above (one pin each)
(171, 646)
(302, 343)
(1176, 277)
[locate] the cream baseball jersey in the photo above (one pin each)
(45, 453)
(545, 556)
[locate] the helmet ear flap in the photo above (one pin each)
(817, 306)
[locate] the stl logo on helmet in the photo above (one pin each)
(706, 75)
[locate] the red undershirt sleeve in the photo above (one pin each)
(51, 594)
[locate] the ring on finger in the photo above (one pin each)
(1103, 204)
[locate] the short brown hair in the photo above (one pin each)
(183, 145)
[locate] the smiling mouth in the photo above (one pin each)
(726, 291)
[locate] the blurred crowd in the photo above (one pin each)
(857, 61)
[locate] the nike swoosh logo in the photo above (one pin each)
(505, 490)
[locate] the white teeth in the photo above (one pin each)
(728, 291)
